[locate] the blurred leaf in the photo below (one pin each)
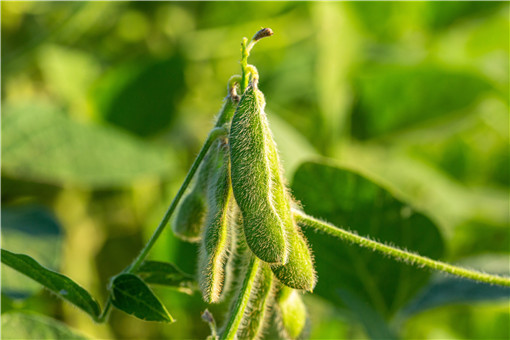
(37, 327)
(451, 290)
(59, 284)
(292, 146)
(442, 15)
(393, 98)
(348, 199)
(374, 324)
(68, 73)
(166, 274)
(142, 97)
(131, 295)
(34, 230)
(41, 144)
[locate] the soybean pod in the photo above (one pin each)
(257, 314)
(217, 240)
(291, 313)
(252, 184)
(192, 210)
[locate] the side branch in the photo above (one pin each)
(398, 254)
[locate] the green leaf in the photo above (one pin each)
(43, 145)
(142, 96)
(131, 295)
(37, 327)
(166, 274)
(34, 230)
(453, 290)
(348, 199)
(59, 284)
(374, 324)
(421, 93)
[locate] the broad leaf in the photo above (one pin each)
(421, 93)
(166, 274)
(374, 324)
(37, 327)
(131, 295)
(453, 290)
(33, 230)
(41, 144)
(142, 96)
(59, 284)
(350, 200)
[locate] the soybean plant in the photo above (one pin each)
(252, 250)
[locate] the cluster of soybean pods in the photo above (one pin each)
(240, 210)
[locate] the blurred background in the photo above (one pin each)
(106, 104)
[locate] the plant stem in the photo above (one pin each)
(236, 315)
(401, 255)
(106, 310)
(213, 135)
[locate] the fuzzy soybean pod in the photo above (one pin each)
(291, 313)
(252, 184)
(299, 271)
(256, 315)
(217, 239)
(190, 217)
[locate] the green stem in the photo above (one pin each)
(236, 315)
(213, 135)
(396, 253)
(106, 310)
(244, 65)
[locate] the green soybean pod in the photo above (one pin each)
(291, 313)
(299, 271)
(216, 241)
(256, 315)
(190, 216)
(251, 178)
(191, 213)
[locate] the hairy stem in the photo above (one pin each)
(396, 253)
(236, 315)
(213, 135)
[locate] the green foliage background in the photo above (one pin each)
(105, 105)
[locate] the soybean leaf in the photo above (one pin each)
(453, 290)
(59, 284)
(41, 144)
(166, 274)
(424, 92)
(348, 199)
(34, 326)
(131, 295)
(373, 322)
(34, 230)
(142, 97)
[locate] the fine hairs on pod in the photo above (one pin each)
(291, 313)
(252, 182)
(256, 315)
(216, 243)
